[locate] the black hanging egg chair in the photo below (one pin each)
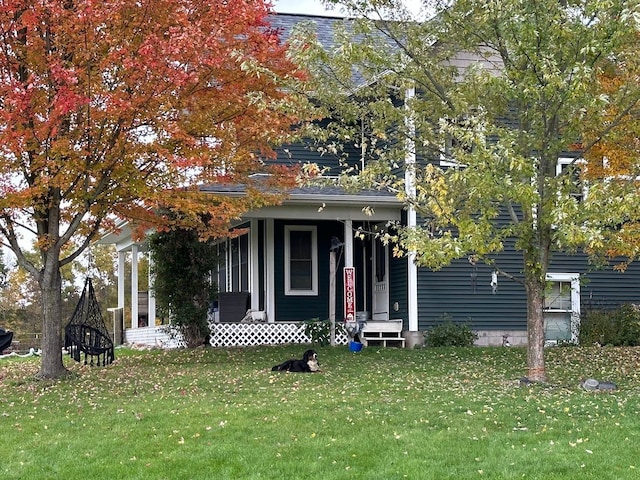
(86, 332)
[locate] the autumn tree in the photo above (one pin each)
(477, 105)
(614, 157)
(120, 108)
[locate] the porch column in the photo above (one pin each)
(348, 243)
(254, 265)
(121, 263)
(134, 286)
(410, 189)
(412, 280)
(269, 273)
(152, 296)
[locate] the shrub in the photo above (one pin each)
(450, 334)
(619, 327)
(319, 331)
(182, 266)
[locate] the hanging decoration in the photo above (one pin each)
(494, 282)
(474, 272)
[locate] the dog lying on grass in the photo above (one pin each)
(308, 363)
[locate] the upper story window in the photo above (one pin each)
(459, 135)
(301, 260)
(571, 167)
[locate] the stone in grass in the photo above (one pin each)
(592, 385)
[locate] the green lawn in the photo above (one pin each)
(378, 414)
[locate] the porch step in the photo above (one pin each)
(385, 341)
(383, 332)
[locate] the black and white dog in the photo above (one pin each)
(309, 363)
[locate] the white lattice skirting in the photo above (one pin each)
(228, 335)
(248, 334)
(161, 336)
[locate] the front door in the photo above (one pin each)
(380, 281)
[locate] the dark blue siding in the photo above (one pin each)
(453, 291)
(298, 308)
(463, 292)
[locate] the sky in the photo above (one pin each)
(312, 7)
(315, 7)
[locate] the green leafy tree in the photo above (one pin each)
(487, 134)
(182, 266)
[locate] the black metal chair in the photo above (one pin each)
(86, 332)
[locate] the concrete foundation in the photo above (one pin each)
(413, 339)
(497, 338)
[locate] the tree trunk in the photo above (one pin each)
(535, 328)
(51, 365)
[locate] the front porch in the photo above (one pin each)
(287, 264)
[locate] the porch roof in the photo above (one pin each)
(316, 193)
(310, 202)
(323, 202)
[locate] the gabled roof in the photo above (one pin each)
(325, 26)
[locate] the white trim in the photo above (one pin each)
(269, 274)
(134, 286)
(348, 243)
(288, 290)
(228, 281)
(410, 189)
(321, 208)
(563, 162)
(121, 274)
(254, 278)
(151, 299)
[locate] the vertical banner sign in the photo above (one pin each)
(349, 294)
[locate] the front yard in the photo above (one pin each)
(378, 414)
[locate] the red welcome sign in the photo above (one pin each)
(349, 294)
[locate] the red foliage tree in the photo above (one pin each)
(120, 108)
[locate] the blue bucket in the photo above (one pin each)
(355, 346)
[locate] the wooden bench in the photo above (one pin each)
(383, 332)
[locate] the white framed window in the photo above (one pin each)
(232, 273)
(300, 260)
(562, 308)
(459, 135)
(571, 166)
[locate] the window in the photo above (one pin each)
(232, 274)
(571, 167)
(301, 264)
(562, 308)
(460, 134)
